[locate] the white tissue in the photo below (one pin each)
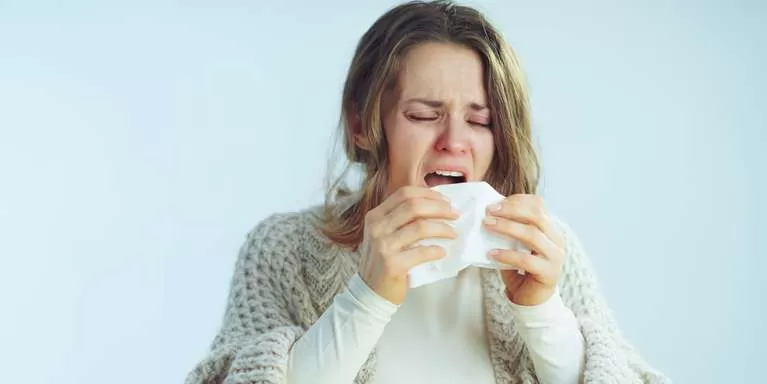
(473, 243)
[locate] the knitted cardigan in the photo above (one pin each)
(287, 273)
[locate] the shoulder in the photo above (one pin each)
(286, 236)
(286, 229)
(282, 226)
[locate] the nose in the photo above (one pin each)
(454, 138)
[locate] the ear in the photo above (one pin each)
(355, 125)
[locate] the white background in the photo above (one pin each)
(140, 141)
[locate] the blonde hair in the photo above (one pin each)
(374, 70)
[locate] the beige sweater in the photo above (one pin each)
(288, 273)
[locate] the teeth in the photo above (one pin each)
(449, 173)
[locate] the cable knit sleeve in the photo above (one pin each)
(259, 328)
(610, 357)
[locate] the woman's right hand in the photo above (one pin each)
(391, 232)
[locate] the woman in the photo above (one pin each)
(434, 95)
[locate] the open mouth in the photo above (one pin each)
(444, 177)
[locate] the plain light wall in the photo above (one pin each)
(140, 141)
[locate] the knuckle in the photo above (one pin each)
(381, 247)
(422, 228)
(372, 228)
(538, 213)
(525, 261)
(555, 258)
(530, 234)
(416, 208)
(376, 230)
(513, 200)
(521, 232)
(505, 205)
(411, 206)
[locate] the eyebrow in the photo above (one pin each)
(437, 104)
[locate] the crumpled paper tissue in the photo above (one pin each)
(473, 242)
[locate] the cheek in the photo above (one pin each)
(408, 145)
(485, 149)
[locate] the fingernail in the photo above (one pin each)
(495, 252)
(490, 220)
(494, 207)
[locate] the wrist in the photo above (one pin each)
(538, 298)
(369, 298)
(552, 310)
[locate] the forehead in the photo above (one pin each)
(442, 71)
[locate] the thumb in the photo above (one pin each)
(512, 279)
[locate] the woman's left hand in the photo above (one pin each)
(523, 218)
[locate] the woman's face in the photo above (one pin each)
(437, 120)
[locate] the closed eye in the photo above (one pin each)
(422, 117)
(480, 123)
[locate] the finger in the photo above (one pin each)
(513, 279)
(403, 194)
(419, 255)
(419, 208)
(528, 209)
(529, 235)
(377, 217)
(543, 270)
(416, 231)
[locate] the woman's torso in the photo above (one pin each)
(438, 335)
